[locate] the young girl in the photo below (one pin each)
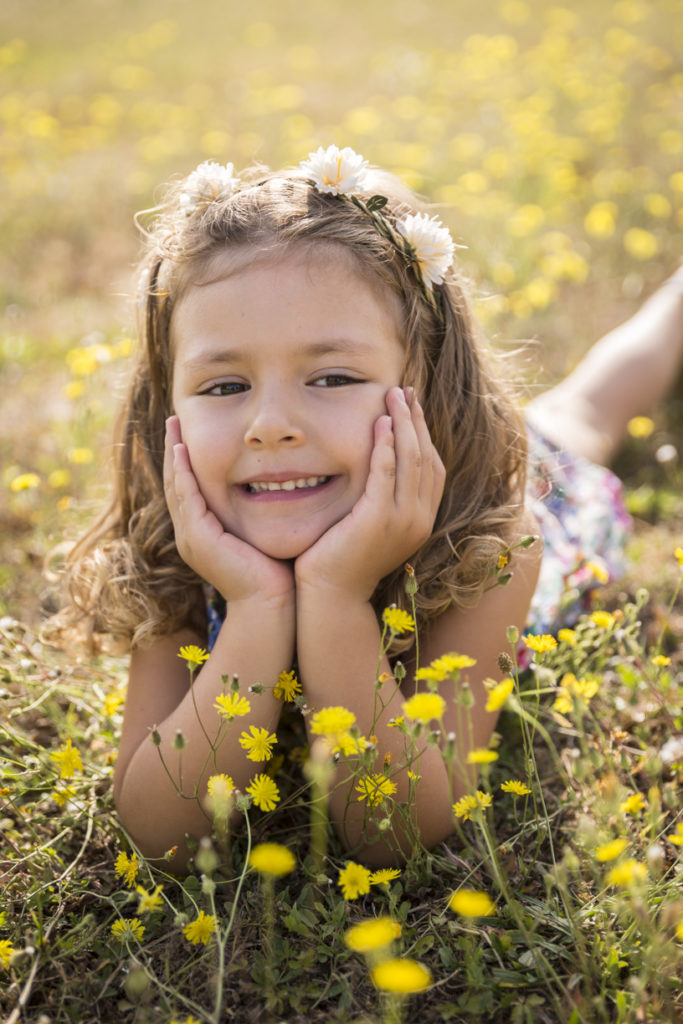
(310, 410)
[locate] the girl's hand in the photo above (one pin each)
(393, 517)
(236, 569)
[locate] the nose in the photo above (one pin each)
(273, 422)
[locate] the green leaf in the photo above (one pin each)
(376, 203)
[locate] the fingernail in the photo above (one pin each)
(409, 394)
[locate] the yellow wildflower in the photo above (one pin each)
(445, 666)
(24, 482)
(370, 935)
(599, 571)
(423, 707)
(354, 880)
(679, 931)
(62, 796)
(332, 721)
(515, 787)
(502, 561)
(80, 456)
(149, 901)
(470, 803)
(471, 903)
(68, 760)
(127, 928)
(201, 929)
(626, 873)
(567, 636)
(264, 792)
(114, 700)
(401, 975)
(398, 620)
(572, 689)
(127, 867)
(480, 755)
(640, 244)
(611, 850)
(220, 787)
(347, 744)
(677, 837)
(661, 661)
(640, 426)
(632, 804)
(287, 686)
(6, 952)
(232, 705)
(678, 555)
(193, 655)
(604, 620)
(272, 859)
(499, 694)
(384, 875)
(540, 644)
(375, 788)
(258, 743)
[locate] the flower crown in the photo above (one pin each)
(423, 241)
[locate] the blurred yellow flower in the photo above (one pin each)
(149, 901)
(220, 787)
(640, 244)
(541, 643)
(676, 837)
(68, 760)
(640, 426)
(678, 555)
(567, 636)
(401, 976)
(470, 903)
(59, 478)
(604, 620)
(272, 859)
(7, 951)
(398, 620)
(25, 482)
(661, 661)
(626, 873)
(374, 788)
(445, 666)
(80, 456)
(571, 689)
(368, 936)
(515, 787)
(499, 694)
(332, 721)
(354, 880)
(632, 804)
(423, 707)
(481, 755)
(611, 850)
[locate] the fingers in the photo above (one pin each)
(419, 470)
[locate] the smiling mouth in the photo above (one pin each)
(301, 483)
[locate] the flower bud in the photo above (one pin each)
(513, 635)
(179, 741)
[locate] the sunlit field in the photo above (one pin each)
(550, 140)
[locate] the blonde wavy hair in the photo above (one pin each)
(125, 577)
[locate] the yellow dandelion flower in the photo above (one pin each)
(371, 935)
(599, 571)
(127, 928)
(68, 760)
(80, 456)
(375, 788)
(127, 867)
(201, 929)
(264, 792)
(445, 666)
(62, 796)
(24, 482)
(258, 743)
(401, 976)
(480, 755)
(515, 787)
(469, 804)
(7, 951)
(499, 694)
(640, 244)
(354, 880)
(384, 875)
(626, 873)
(677, 837)
(287, 686)
(679, 931)
(571, 690)
(396, 723)
(678, 555)
(661, 661)
(540, 644)
(640, 426)
(232, 705)
(470, 903)
(114, 700)
(272, 859)
(220, 787)
(194, 656)
(611, 850)
(149, 901)
(600, 221)
(398, 621)
(423, 707)
(332, 721)
(632, 804)
(567, 636)
(348, 745)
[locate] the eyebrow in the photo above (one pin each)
(211, 357)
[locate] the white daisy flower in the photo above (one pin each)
(431, 243)
(334, 170)
(209, 182)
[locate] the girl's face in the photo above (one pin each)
(280, 371)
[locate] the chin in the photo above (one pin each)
(284, 549)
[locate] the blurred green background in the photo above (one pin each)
(550, 136)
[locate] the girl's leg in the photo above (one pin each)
(623, 375)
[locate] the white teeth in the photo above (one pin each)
(287, 485)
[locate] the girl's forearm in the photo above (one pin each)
(161, 795)
(338, 644)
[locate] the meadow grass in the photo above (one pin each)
(551, 138)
